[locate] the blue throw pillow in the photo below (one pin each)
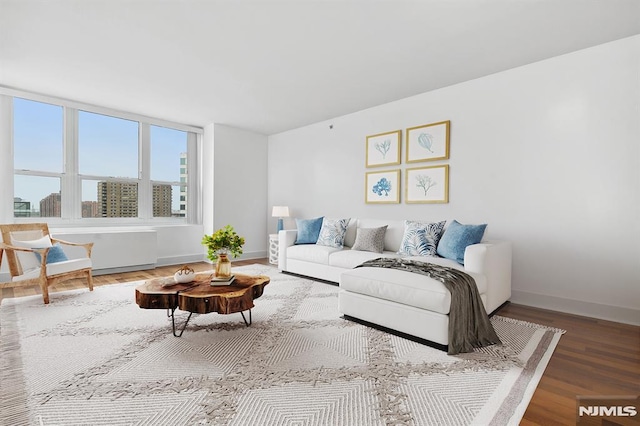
(457, 237)
(56, 254)
(308, 230)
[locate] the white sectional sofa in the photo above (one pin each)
(402, 301)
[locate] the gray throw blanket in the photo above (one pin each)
(469, 325)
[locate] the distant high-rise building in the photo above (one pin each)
(51, 205)
(21, 208)
(162, 200)
(183, 188)
(117, 199)
(91, 209)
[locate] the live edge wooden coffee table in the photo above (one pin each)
(200, 297)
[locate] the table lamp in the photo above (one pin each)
(280, 212)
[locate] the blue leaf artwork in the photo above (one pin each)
(382, 187)
(425, 140)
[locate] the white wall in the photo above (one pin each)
(547, 154)
(235, 190)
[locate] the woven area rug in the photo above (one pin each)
(95, 358)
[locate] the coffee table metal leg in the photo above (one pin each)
(245, 320)
(173, 323)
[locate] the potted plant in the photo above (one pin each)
(219, 245)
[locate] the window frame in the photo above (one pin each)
(71, 180)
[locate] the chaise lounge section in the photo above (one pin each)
(403, 301)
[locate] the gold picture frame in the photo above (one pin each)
(429, 142)
(382, 187)
(427, 185)
(383, 149)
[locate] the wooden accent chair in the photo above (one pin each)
(27, 248)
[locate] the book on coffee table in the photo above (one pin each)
(222, 280)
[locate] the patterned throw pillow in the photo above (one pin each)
(458, 236)
(370, 239)
(421, 239)
(332, 232)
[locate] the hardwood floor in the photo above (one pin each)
(594, 357)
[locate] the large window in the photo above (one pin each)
(82, 165)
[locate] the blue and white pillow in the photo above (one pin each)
(332, 232)
(421, 239)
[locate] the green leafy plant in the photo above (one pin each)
(223, 241)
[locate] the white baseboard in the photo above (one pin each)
(180, 260)
(119, 270)
(577, 307)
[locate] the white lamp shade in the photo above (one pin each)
(280, 211)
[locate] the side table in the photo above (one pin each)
(273, 249)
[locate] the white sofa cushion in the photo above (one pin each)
(398, 286)
(56, 268)
(311, 253)
(404, 287)
(349, 259)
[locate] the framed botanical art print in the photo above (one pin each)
(383, 149)
(382, 187)
(427, 184)
(429, 142)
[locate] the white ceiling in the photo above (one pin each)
(270, 66)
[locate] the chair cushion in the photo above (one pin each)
(57, 268)
(308, 230)
(332, 232)
(28, 261)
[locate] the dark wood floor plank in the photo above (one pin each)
(594, 357)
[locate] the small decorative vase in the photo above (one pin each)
(184, 275)
(223, 266)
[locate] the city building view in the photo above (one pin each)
(115, 199)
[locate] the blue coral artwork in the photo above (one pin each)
(428, 142)
(382, 187)
(383, 149)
